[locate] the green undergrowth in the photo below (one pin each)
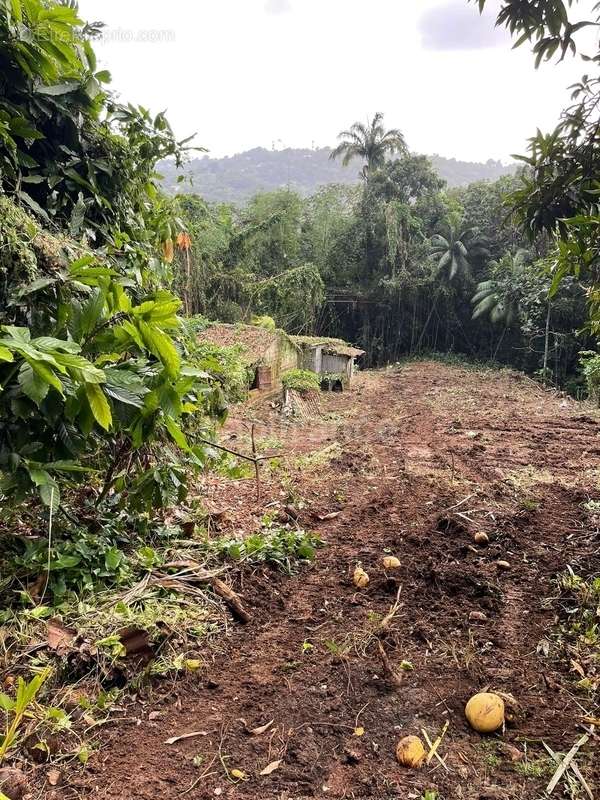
(301, 380)
(578, 633)
(124, 601)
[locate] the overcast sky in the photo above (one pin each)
(248, 73)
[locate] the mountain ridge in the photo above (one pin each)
(235, 179)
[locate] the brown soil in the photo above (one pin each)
(416, 460)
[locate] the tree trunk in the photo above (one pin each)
(500, 340)
(546, 344)
(431, 313)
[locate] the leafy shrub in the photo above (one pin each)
(268, 323)
(92, 371)
(109, 378)
(276, 545)
(590, 362)
(301, 380)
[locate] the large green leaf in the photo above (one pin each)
(59, 88)
(49, 344)
(36, 286)
(32, 385)
(45, 373)
(176, 433)
(99, 405)
(47, 487)
(161, 345)
(80, 369)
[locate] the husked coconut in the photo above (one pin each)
(360, 578)
(410, 752)
(485, 712)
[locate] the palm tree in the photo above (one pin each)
(499, 297)
(456, 250)
(454, 253)
(370, 142)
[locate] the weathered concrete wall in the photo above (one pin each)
(281, 355)
(312, 359)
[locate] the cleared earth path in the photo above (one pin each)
(416, 461)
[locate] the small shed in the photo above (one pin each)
(266, 353)
(334, 359)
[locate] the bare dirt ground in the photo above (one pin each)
(415, 461)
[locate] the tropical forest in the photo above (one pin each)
(299, 446)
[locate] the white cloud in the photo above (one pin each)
(278, 6)
(243, 78)
(457, 26)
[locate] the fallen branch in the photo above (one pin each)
(232, 600)
(236, 453)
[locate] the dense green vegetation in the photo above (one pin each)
(106, 401)
(100, 378)
(392, 265)
(92, 353)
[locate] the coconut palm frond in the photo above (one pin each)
(499, 296)
(485, 305)
(371, 142)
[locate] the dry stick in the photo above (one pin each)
(390, 674)
(256, 464)
(232, 600)
(564, 765)
(235, 452)
(460, 503)
(573, 767)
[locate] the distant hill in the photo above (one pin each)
(235, 179)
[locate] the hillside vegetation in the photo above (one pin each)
(235, 179)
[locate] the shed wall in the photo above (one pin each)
(312, 359)
(338, 365)
(281, 356)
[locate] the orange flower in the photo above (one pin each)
(184, 241)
